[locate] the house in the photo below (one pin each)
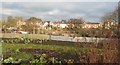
(91, 25)
(63, 25)
(37, 23)
(19, 23)
(108, 25)
(45, 25)
(58, 24)
(55, 24)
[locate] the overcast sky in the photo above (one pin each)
(90, 11)
(60, 0)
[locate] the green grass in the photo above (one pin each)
(33, 36)
(6, 47)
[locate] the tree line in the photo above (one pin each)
(74, 26)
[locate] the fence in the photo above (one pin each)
(51, 37)
(79, 39)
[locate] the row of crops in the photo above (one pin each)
(25, 53)
(60, 43)
(23, 40)
(29, 50)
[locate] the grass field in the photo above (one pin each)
(33, 36)
(6, 47)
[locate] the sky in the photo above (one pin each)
(60, 0)
(54, 11)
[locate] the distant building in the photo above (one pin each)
(19, 23)
(46, 25)
(63, 25)
(91, 25)
(108, 25)
(55, 24)
(37, 23)
(58, 24)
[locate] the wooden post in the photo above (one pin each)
(119, 31)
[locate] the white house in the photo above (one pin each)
(91, 25)
(63, 25)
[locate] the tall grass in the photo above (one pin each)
(108, 51)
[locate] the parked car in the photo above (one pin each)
(22, 32)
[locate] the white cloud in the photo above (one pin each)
(54, 12)
(58, 11)
(8, 11)
(13, 12)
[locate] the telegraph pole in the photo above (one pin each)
(118, 31)
(119, 20)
